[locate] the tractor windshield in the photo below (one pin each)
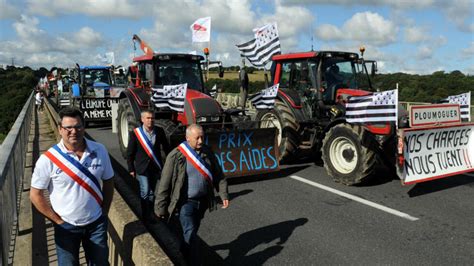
(176, 71)
(339, 73)
(92, 76)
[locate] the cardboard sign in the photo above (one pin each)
(436, 152)
(242, 152)
(423, 115)
(97, 109)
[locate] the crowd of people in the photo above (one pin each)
(78, 175)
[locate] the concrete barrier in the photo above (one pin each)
(12, 165)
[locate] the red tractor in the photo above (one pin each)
(309, 113)
(240, 146)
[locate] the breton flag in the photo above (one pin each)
(260, 50)
(171, 96)
(266, 98)
(374, 108)
(201, 30)
(213, 91)
(464, 101)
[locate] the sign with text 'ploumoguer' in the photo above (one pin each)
(424, 115)
(242, 152)
(437, 152)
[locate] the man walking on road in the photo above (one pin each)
(145, 162)
(189, 177)
(73, 171)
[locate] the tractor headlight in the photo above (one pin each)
(215, 118)
(201, 119)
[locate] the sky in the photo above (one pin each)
(410, 36)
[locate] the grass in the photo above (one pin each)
(256, 76)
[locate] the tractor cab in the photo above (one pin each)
(93, 81)
(328, 71)
(159, 70)
(170, 69)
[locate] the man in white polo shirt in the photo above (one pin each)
(79, 177)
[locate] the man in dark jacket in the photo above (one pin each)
(144, 160)
(188, 180)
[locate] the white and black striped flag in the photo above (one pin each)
(260, 50)
(266, 98)
(378, 107)
(464, 101)
(171, 96)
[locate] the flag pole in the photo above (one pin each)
(265, 75)
(207, 77)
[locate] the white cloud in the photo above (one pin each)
(35, 47)
(424, 52)
(97, 8)
(233, 19)
(416, 35)
(468, 51)
(392, 3)
(366, 27)
(8, 11)
(328, 32)
(289, 29)
(88, 37)
(460, 12)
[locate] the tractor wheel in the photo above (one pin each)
(283, 119)
(169, 128)
(346, 160)
(126, 123)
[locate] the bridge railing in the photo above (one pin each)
(12, 167)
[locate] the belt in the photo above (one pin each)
(197, 199)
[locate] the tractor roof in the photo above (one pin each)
(313, 54)
(94, 67)
(165, 56)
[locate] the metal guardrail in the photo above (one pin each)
(12, 167)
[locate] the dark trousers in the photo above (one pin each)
(93, 236)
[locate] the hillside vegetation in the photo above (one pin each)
(16, 86)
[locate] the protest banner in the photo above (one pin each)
(436, 152)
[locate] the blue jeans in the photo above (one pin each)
(190, 216)
(94, 241)
(147, 186)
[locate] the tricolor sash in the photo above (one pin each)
(146, 144)
(196, 160)
(76, 171)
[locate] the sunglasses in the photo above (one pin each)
(70, 128)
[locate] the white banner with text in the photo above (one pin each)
(436, 152)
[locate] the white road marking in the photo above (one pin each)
(355, 198)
